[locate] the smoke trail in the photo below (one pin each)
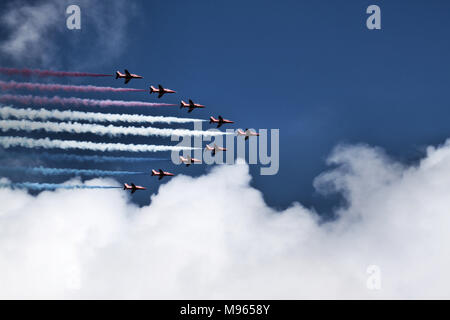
(46, 143)
(51, 186)
(36, 100)
(44, 114)
(50, 73)
(96, 159)
(59, 171)
(12, 85)
(112, 131)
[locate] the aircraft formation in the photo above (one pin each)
(29, 116)
(188, 160)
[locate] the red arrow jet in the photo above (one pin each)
(247, 133)
(161, 173)
(133, 187)
(220, 121)
(191, 105)
(127, 76)
(161, 91)
(188, 160)
(215, 149)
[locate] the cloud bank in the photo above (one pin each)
(37, 33)
(214, 237)
(28, 25)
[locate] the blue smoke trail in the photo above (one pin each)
(50, 186)
(57, 171)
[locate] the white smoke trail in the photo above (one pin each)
(58, 171)
(72, 101)
(75, 127)
(46, 143)
(44, 114)
(90, 158)
(12, 85)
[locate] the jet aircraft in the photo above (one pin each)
(248, 133)
(132, 187)
(127, 76)
(215, 149)
(188, 160)
(220, 121)
(161, 173)
(191, 105)
(161, 91)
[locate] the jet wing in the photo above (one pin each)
(161, 93)
(219, 124)
(127, 73)
(127, 80)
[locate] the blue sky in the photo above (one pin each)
(310, 68)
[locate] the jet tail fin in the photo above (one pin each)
(117, 74)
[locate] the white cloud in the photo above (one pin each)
(30, 27)
(37, 35)
(214, 237)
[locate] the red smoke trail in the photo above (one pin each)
(12, 85)
(37, 100)
(49, 73)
